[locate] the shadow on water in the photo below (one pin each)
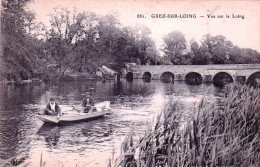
(129, 79)
(51, 133)
(193, 82)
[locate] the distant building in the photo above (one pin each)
(106, 73)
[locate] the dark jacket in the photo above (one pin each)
(57, 108)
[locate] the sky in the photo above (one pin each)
(241, 28)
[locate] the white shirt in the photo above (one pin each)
(52, 106)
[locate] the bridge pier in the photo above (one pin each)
(180, 77)
(207, 78)
(240, 79)
(155, 76)
(137, 75)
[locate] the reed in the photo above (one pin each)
(220, 133)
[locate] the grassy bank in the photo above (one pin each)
(221, 133)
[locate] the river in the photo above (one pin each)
(26, 141)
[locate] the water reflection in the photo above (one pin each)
(51, 133)
(147, 80)
(134, 103)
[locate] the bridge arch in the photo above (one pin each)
(193, 78)
(147, 75)
(167, 77)
(254, 79)
(222, 78)
(129, 76)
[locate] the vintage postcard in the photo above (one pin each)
(87, 83)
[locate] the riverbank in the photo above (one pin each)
(67, 77)
(222, 133)
(77, 77)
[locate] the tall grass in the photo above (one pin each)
(223, 133)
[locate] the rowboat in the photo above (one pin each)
(74, 114)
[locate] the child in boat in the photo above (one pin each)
(88, 104)
(52, 108)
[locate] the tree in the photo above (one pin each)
(175, 45)
(199, 54)
(218, 46)
(70, 32)
(85, 41)
(144, 43)
(20, 49)
(111, 42)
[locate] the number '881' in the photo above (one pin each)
(140, 16)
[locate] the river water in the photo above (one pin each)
(26, 141)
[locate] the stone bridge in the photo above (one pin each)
(242, 73)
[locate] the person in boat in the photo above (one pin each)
(52, 108)
(88, 104)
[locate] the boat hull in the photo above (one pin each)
(70, 118)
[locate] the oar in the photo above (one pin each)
(66, 111)
(73, 108)
(79, 110)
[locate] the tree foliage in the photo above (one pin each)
(211, 50)
(20, 49)
(175, 45)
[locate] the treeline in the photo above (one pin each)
(85, 41)
(74, 41)
(211, 50)
(82, 41)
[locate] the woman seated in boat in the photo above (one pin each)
(52, 108)
(88, 104)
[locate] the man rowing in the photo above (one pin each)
(88, 104)
(52, 108)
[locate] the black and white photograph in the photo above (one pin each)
(128, 83)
